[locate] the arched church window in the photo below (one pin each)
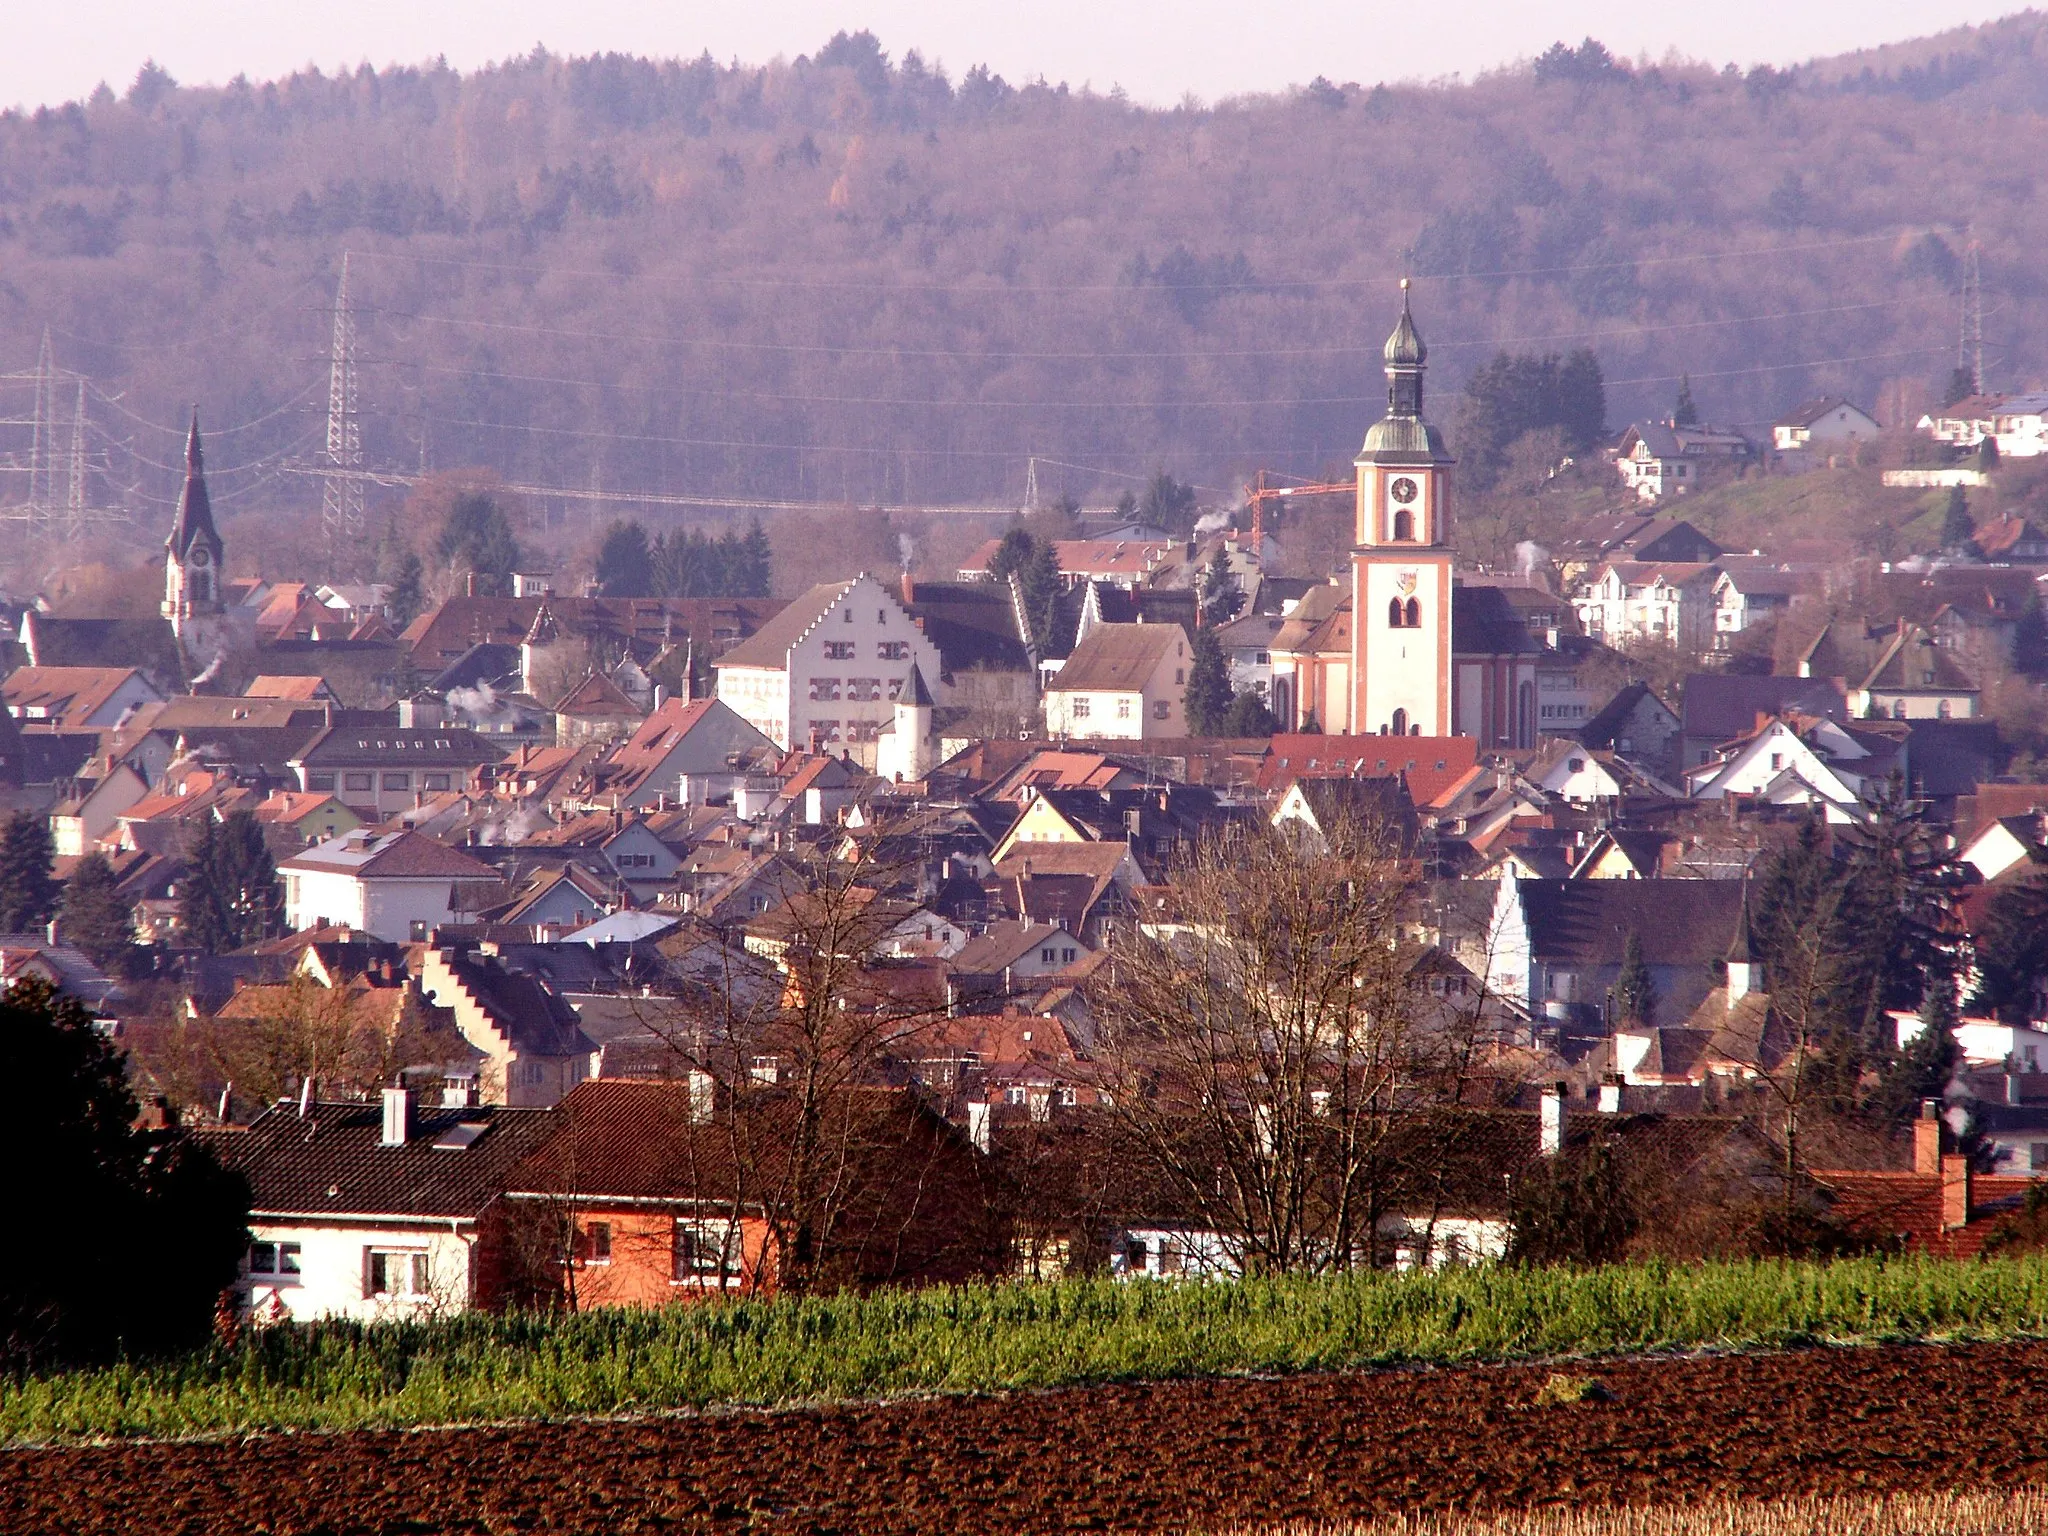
(1395, 615)
(1400, 722)
(1404, 524)
(1414, 619)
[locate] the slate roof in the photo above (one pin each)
(1587, 922)
(1602, 729)
(1484, 623)
(193, 523)
(333, 1162)
(1720, 706)
(383, 746)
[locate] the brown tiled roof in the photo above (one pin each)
(333, 1161)
(396, 856)
(66, 694)
(769, 645)
(596, 695)
(1119, 657)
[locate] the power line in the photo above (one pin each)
(993, 290)
(1348, 350)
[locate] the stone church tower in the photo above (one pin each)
(193, 566)
(1401, 563)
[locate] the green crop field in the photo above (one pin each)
(473, 1368)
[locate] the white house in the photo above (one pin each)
(1671, 603)
(373, 1212)
(1984, 1042)
(397, 886)
(2018, 424)
(1915, 679)
(1744, 595)
(1798, 760)
(1658, 459)
(1124, 682)
(1828, 422)
(825, 673)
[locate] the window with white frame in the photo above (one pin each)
(274, 1260)
(839, 650)
(395, 1272)
(704, 1253)
(1079, 707)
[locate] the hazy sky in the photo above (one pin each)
(1158, 50)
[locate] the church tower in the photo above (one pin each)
(192, 554)
(1401, 561)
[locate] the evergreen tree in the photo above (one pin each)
(1208, 688)
(408, 591)
(1168, 504)
(71, 1131)
(28, 891)
(95, 916)
(1519, 393)
(2012, 951)
(1903, 879)
(1987, 452)
(1958, 528)
(231, 895)
(1635, 996)
(625, 565)
(1961, 385)
(756, 576)
(1249, 716)
(1685, 413)
(1922, 1070)
(477, 537)
(1219, 595)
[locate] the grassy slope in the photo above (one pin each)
(476, 1368)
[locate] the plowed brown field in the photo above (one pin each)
(1172, 1456)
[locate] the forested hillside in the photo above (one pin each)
(850, 277)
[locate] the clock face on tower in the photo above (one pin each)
(1404, 490)
(199, 556)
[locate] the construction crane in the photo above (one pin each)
(1258, 493)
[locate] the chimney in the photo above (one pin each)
(1552, 1141)
(1955, 1193)
(397, 1116)
(977, 1114)
(909, 588)
(1927, 1138)
(305, 1097)
(1610, 1093)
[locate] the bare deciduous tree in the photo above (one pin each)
(1265, 1040)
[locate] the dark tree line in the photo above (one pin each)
(686, 563)
(1517, 394)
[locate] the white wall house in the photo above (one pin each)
(1125, 682)
(2017, 423)
(396, 886)
(1745, 597)
(1828, 422)
(828, 669)
(373, 1212)
(1670, 604)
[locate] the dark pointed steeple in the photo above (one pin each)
(194, 522)
(915, 693)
